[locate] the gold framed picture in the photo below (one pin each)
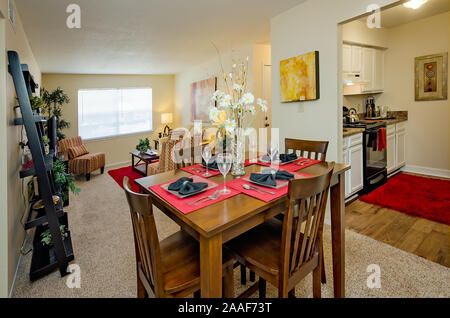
(201, 93)
(299, 78)
(431, 77)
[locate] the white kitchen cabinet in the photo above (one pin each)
(353, 156)
(372, 70)
(390, 148)
(351, 59)
(347, 58)
(400, 141)
(356, 59)
(396, 146)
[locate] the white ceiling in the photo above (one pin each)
(142, 36)
(399, 15)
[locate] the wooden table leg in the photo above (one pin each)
(338, 236)
(211, 266)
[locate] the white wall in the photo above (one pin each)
(15, 39)
(258, 54)
(428, 138)
(211, 68)
(357, 31)
(310, 26)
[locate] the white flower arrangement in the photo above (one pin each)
(236, 104)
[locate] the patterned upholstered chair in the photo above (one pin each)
(166, 158)
(80, 160)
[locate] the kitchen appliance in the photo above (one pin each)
(374, 161)
(370, 107)
(353, 116)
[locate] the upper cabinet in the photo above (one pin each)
(363, 69)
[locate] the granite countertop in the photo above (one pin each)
(352, 131)
(399, 116)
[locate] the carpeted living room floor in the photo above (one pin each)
(103, 244)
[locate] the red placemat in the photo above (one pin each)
(182, 204)
(212, 173)
(237, 184)
(291, 166)
(295, 167)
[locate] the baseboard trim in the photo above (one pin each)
(110, 165)
(427, 171)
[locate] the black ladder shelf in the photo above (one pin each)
(45, 259)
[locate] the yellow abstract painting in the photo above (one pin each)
(299, 78)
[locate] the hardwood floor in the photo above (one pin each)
(418, 236)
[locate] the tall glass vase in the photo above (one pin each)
(238, 148)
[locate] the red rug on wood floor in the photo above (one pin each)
(118, 174)
(418, 196)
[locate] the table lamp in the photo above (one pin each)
(166, 118)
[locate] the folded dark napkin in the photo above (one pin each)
(212, 164)
(288, 157)
(284, 175)
(187, 186)
(176, 186)
(269, 179)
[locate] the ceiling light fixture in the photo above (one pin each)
(414, 4)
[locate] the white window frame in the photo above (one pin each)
(150, 131)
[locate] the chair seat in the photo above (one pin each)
(180, 256)
(261, 246)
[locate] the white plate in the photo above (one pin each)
(280, 183)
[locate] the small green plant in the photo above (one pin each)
(64, 178)
(45, 140)
(46, 236)
(36, 102)
(144, 145)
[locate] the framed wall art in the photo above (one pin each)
(201, 93)
(431, 77)
(299, 78)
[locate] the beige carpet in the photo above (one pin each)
(103, 244)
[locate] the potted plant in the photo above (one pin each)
(36, 104)
(64, 180)
(46, 240)
(53, 103)
(46, 142)
(143, 146)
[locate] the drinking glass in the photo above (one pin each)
(224, 162)
(207, 155)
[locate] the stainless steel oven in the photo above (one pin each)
(374, 157)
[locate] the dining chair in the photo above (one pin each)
(171, 267)
(310, 146)
(284, 252)
(166, 160)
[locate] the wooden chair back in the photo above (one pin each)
(312, 147)
(302, 238)
(148, 257)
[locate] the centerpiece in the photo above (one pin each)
(235, 111)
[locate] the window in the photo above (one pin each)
(114, 112)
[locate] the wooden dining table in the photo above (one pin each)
(222, 221)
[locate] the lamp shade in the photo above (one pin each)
(166, 118)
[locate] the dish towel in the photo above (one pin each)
(381, 139)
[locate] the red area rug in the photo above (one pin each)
(418, 196)
(118, 174)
